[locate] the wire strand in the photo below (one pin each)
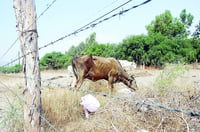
(135, 102)
(88, 26)
(41, 14)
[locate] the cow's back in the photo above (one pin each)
(105, 64)
(111, 64)
(102, 67)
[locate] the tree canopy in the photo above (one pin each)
(168, 40)
(166, 25)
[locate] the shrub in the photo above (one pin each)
(54, 60)
(171, 71)
(12, 69)
(12, 115)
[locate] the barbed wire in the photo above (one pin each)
(86, 91)
(83, 28)
(41, 14)
(48, 7)
(91, 24)
(4, 54)
(102, 9)
(144, 102)
(136, 102)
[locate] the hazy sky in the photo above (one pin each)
(65, 16)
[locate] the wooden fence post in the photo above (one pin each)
(25, 13)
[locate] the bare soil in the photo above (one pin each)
(12, 84)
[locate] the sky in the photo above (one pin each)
(66, 16)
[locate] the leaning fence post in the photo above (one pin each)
(25, 13)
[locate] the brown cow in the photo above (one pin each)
(96, 68)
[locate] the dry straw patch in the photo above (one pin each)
(61, 106)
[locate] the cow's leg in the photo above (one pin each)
(110, 85)
(73, 82)
(111, 76)
(80, 79)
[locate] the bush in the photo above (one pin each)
(55, 60)
(12, 69)
(165, 80)
(12, 115)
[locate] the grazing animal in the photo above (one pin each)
(96, 68)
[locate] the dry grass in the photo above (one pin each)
(119, 115)
(61, 107)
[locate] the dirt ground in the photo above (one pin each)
(62, 78)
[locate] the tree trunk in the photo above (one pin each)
(27, 29)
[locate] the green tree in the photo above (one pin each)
(187, 50)
(196, 33)
(55, 60)
(166, 25)
(186, 19)
(151, 46)
(133, 48)
(11, 69)
(91, 39)
(96, 49)
(196, 45)
(76, 50)
(105, 50)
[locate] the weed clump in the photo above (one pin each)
(166, 80)
(12, 115)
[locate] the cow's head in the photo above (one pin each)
(132, 83)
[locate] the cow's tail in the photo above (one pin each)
(74, 67)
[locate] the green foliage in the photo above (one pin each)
(196, 33)
(92, 47)
(196, 46)
(164, 81)
(133, 48)
(55, 60)
(83, 46)
(166, 42)
(11, 69)
(156, 49)
(186, 19)
(105, 50)
(166, 25)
